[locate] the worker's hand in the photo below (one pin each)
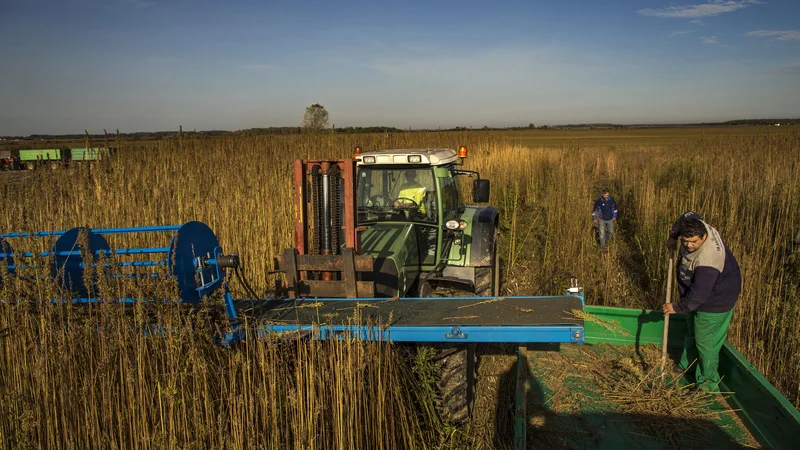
(672, 245)
(668, 308)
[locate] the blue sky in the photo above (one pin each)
(146, 65)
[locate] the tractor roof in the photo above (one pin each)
(432, 156)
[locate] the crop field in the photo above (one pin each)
(74, 387)
(611, 137)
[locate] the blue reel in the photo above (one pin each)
(194, 258)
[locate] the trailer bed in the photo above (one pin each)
(431, 319)
(423, 312)
(574, 401)
(567, 405)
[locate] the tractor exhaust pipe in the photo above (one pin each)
(326, 216)
(326, 209)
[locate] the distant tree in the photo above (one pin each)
(316, 118)
(531, 126)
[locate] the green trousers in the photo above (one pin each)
(705, 336)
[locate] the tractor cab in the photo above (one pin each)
(413, 221)
(396, 193)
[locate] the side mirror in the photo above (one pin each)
(480, 191)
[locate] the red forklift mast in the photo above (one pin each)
(325, 260)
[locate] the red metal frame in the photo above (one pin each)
(301, 170)
(300, 212)
(348, 167)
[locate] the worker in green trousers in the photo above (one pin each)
(705, 336)
(709, 283)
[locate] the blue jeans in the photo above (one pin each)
(605, 229)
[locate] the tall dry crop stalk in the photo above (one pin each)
(66, 386)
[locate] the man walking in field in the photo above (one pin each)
(709, 283)
(604, 214)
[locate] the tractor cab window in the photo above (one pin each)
(451, 201)
(396, 193)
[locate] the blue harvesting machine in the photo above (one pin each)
(197, 263)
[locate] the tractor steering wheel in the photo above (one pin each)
(386, 200)
(404, 203)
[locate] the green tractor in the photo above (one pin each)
(415, 225)
(424, 241)
(393, 224)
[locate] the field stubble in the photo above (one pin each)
(70, 386)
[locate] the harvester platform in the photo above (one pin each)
(195, 260)
(430, 319)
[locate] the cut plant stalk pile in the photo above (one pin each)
(610, 325)
(620, 387)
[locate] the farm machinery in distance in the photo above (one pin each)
(29, 159)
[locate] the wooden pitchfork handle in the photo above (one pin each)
(666, 316)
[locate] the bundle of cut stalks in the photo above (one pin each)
(610, 325)
(624, 380)
(638, 392)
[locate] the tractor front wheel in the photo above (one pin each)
(487, 279)
(456, 381)
(458, 362)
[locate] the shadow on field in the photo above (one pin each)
(561, 417)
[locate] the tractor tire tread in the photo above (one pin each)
(452, 384)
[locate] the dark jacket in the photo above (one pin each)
(604, 209)
(709, 279)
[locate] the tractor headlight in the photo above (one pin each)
(455, 225)
(368, 160)
(414, 158)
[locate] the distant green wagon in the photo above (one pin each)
(89, 154)
(53, 157)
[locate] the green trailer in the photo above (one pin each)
(565, 397)
(88, 154)
(53, 157)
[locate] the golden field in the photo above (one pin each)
(71, 386)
